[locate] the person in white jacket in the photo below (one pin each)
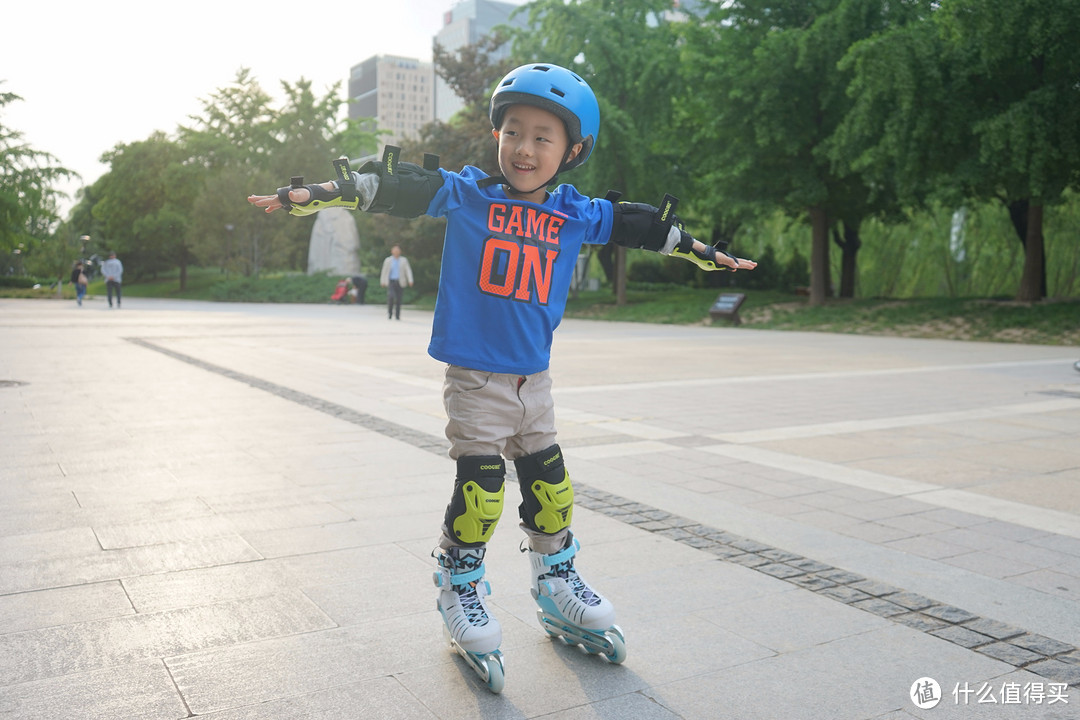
(396, 275)
(113, 271)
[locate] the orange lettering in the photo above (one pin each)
(533, 275)
(493, 280)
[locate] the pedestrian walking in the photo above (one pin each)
(113, 271)
(395, 276)
(80, 281)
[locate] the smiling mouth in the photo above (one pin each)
(523, 168)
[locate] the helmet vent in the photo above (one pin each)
(557, 91)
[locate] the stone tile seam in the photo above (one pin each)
(941, 620)
(983, 635)
(376, 424)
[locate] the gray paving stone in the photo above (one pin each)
(962, 636)
(780, 570)
(949, 613)
(873, 587)
(813, 566)
(912, 601)
(811, 582)
(382, 698)
(48, 652)
(1073, 658)
(841, 577)
(751, 690)
(919, 621)
(1042, 645)
(140, 691)
(994, 629)
(780, 623)
(724, 551)
(102, 566)
(1057, 671)
(1009, 653)
(749, 560)
(257, 672)
(163, 531)
(879, 607)
(268, 452)
(846, 594)
(53, 544)
(61, 606)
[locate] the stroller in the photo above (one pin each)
(341, 292)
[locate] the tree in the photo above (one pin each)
(767, 98)
(976, 101)
(143, 204)
(626, 51)
(242, 142)
(28, 195)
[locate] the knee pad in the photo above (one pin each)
(547, 497)
(477, 504)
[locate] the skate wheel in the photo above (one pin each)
(618, 645)
(496, 674)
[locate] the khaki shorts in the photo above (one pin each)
(497, 414)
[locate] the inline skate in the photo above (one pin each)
(468, 626)
(571, 610)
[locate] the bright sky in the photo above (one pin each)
(94, 74)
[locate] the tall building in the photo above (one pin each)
(398, 92)
(465, 24)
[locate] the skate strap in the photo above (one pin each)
(563, 555)
(467, 577)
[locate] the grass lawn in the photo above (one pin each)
(997, 320)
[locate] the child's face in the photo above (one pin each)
(532, 147)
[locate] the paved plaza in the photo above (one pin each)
(227, 511)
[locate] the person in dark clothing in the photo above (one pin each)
(79, 280)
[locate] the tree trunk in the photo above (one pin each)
(819, 256)
(1033, 279)
(1020, 212)
(606, 256)
(620, 275)
(849, 245)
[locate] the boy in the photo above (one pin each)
(507, 264)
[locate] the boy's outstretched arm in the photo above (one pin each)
(387, 186)
(638, 225)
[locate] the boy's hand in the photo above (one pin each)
(296, 195)
(709, 257)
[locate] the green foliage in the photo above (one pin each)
(28, 198)
(22, 282)
(143, 204)
(876, 117)
(276, 289)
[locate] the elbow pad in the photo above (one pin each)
(388, 186)
(639, 225)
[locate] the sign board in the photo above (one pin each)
(727, 307)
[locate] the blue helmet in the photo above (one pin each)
(558, 91)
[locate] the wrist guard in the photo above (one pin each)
(706, 259)
(637, 225)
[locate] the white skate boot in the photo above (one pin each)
(471, 630)
(570, 609)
